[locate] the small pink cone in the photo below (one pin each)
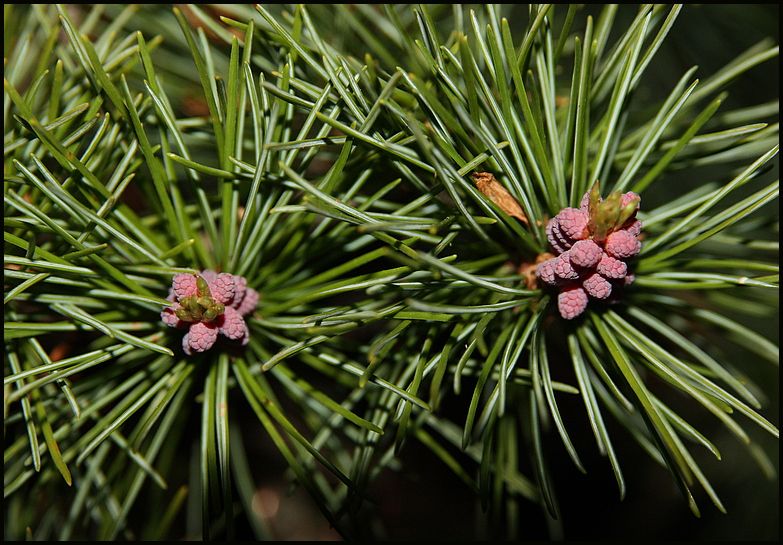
(240, 285)
(223, 288)
(169, 317)
(610, 267)
(622, 245)
(572, 302)
(228, 290)
(597, 286)
(184, 285)
(554, 240)
(585, 253)
(546, 271)
(201, 336)
(573, 223)
(564, 269)
(249, 302)
(634, 227)
(233, 325)
(584, 204)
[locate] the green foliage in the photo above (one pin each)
(325, 153)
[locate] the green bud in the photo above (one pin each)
(595, 198)
(610, 209)
(202, 287)
(184, 315)
(627, 211)
(205, 302)
(194, 309)
(214, 311)
(603, 214)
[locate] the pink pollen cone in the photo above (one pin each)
(609, 267)
(223, 288)
(233, 325)
(572, 302)
(622, 245)
(573, 223)
(585, 253)
(634, 227)
(564, 269)
(597, 286)
(184, 285)
(200, 337)
(584, 204)
(546, 271)
(554, 240)
(591, 251)
(240, 285)
(169, 316)
(248, 304)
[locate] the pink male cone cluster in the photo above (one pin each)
(591, 251)
(217, 307)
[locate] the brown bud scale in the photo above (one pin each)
(488, 185)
